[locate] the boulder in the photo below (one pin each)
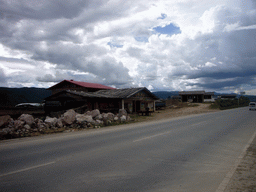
(80, 118)
(122, 112)
(128, 118)
(95, 113)
(99, 117)
(93, 122)
(18, 124)
(59, 123)
(90, 126)
(69, 117)
(11, 123)
(104, 116)
(123, 118)
(88, 113)
(38, 122)
(51, 121)
(27, 127)
(98, 122)
(4, 120)
(5, 131)
(110, 116)
(116, 118)
(28, 119)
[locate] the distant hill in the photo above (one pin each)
(165, 94)
(10, 97)
(251, 97)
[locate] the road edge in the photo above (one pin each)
(230, 174)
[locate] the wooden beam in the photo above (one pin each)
(122, 103)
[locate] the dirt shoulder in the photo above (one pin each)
(244, 178)
(177, 111)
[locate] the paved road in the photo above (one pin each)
(187, 154)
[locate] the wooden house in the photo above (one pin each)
(228, 96)
(108, 100)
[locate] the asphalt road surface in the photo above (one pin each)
(192, 154)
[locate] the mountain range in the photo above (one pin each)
(13, 96)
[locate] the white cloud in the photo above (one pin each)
(115, 43)
(209, 64)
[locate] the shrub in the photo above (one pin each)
(231, 103)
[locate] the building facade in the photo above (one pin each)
(108, 100)
(196, 96)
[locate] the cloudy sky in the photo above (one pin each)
(170, 45)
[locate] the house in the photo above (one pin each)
(228, 96)
(196, 96)
(131, 99)
(77, 86)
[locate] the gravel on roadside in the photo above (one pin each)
(244, 178)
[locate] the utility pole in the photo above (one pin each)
(241, 93)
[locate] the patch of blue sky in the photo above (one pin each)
(168, 29)
(141, 38)
(163, 16)
(111, 44)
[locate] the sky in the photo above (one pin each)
(174, 45)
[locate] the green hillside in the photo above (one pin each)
(10, 97)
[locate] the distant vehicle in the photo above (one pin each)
(252, 106)
(30, 105)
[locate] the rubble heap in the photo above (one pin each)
(27, 125)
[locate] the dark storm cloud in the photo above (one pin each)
(99, 40)
(42, 9)
(2, 77)
(47, 30)
(213, 84)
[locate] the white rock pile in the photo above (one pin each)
(26, 124)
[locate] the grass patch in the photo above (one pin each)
(214, 106)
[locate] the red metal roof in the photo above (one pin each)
(84, 84)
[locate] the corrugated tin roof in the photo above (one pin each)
(83, 84)
(228, 95)
(114, 93)
(195, 93)
(191, 92)
(209, 93)
(121, 93)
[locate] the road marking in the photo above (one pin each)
(27, 169)
(199, 123)
(150, 137)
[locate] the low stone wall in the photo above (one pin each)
(27, 125)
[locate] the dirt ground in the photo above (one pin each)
(244, 178)
(181, 110)
(177, 111)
